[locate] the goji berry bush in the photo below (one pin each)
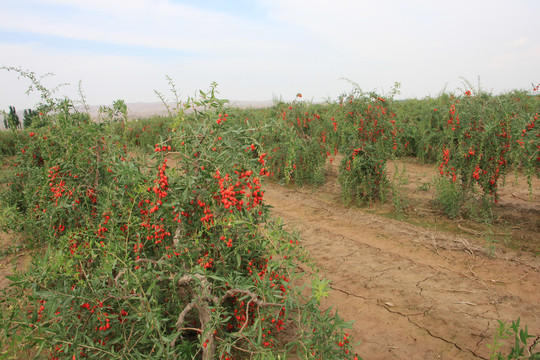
(368, 122)
(481, 137)
(170, 253)
(296, 143)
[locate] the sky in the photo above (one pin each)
(266, 49)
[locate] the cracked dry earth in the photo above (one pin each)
(414, 292)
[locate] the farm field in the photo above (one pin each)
(415, 292)
(364, 227)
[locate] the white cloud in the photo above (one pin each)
(153, 24)
(521, 42)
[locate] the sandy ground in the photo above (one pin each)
(416, 292)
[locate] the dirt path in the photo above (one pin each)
(415, 293)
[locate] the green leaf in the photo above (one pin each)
(238, 260)
(15, 279)
(40, 348)
(523, 336)
(259, 334)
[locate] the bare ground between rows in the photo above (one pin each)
(414, 292)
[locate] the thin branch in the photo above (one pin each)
(183, 314)
(254, 297)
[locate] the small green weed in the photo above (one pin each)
(521, 349)
(399, 198)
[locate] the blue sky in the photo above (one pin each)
(260, 49)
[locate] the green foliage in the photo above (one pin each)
(118, 112)
(449, 196)
(420, 126)
(362, 177)
(519, 348)
(481, 136)
(399, 199)
(29, 116)
(8, 143)
(144, 134)
(295, 139)
(369, 119)
(11, 120)
(473, 139)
